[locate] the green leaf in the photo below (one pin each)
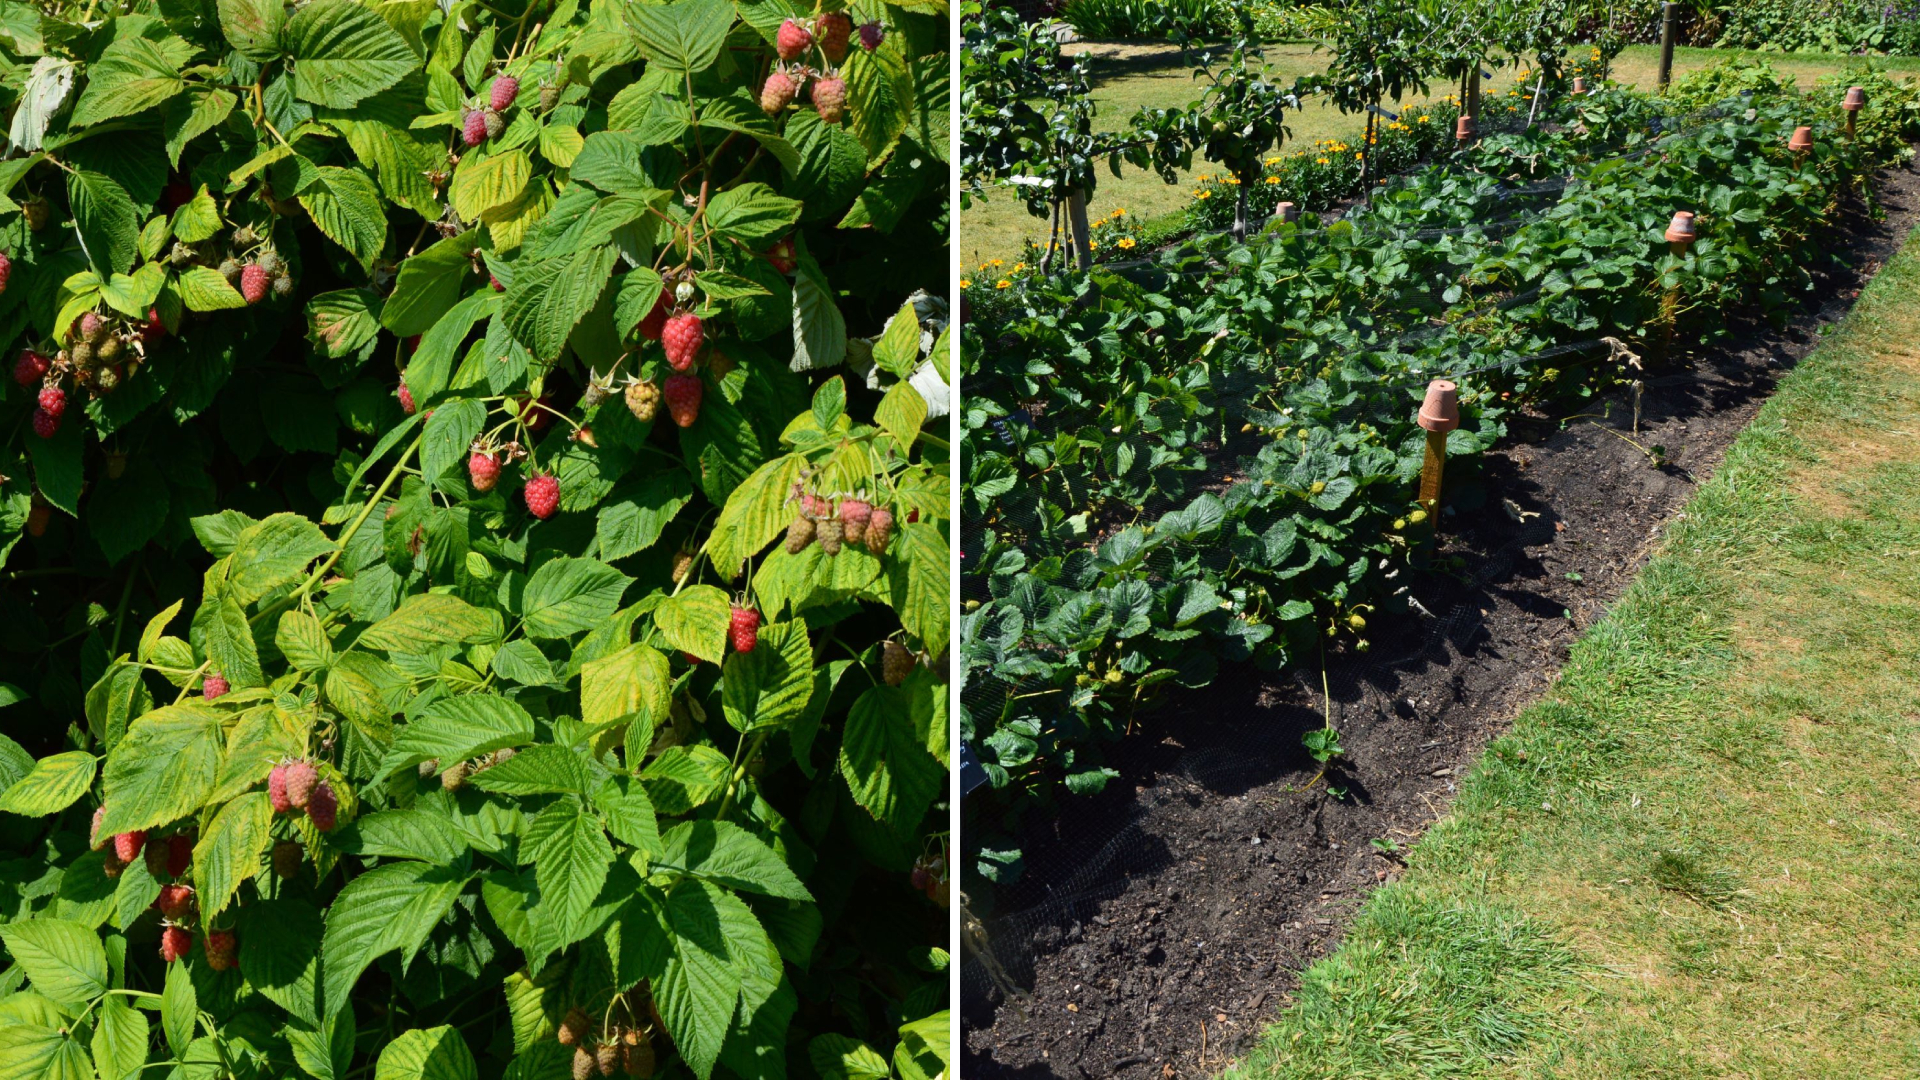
(253, 26)
(755, 513)
(538, 770)
(120, 1040)
(901, 413)
(108, 223)
(696, 621)
(819, 330)
(280, 957)
(570, 856)
(769, 687)
(450, 433)
(37, 1052)
(428, 285)
(432, 365)
(202, 288)
(390, 907)
(197, 218)
(131, 75)
(638, 511)
(179, 1008)
(922, 1052)
(303, 641)
(55, 783)
(550, 296)
(344, 53)
(484, 187)
(324, 1050)
(345, 205)
(64, 960)
(458, 728)
(567, 595)
(427, 620)
(838, 1057)
(698, 990)
(124, 514)
(164, 768)
(630, 814)
(729, 855)
(427, 1054)
(201, 112)
(273, 553)
(230, 851)
(898, 350)
(343, 322)
(880, 95)
(885, 763)
(682, 37)
(633, 680)
(753, 214)
(920, 584)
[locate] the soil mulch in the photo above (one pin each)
(1205, 879)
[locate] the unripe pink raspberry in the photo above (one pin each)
(505, 89)
(6, 270)
(681, 339)
(792, 40)
(254, 282)
(835, 30)
(483, 469)
(854, 515)
(222, 951)
(830, 99)
(94, 839)
(777, 93)
(175, 943)
(474, 130)
(214, 686)
(879, 530)
(127, 845)
(543, 496)
(301, 777)
(277, 790)
(406, 398)
(323, 807)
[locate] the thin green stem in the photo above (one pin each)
(340, 546)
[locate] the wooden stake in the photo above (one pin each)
(1667, 13)
(1439, 414)
(1077, 215)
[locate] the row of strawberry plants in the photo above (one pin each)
(1071, 631)
(475, 546)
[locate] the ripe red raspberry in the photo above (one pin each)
(45, 424)
(681, 339)
(156, 856)
(30, 368)
(870, 35)
(254, 282)
(175, 943)
(495, 282)
(323, 807)
(854, 515)
(94, 839)
(474, 130)
(777, 93)
(505, 89)
(879, 530)
(53, 401)
(301, 777)
(683, 393)
(413, 344)
(830, 98)
(127, 845)
(6, 270)
(744, 628)
(406, 399)
(155, 328)
(792, 40)
(483, 469)
(896, 663)
(222, 951)
(214, 686)
(656, 320)
(543, 496)
(179, 854)
(277, 790)
(176, 902)
(835, 29)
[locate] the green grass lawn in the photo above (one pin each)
(1130, 76)
(1699, 855)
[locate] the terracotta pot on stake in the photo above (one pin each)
(1680, 236)
(1855, 100)
(1579, 86)
(1464, 130)
(1800, 143)
(1439, 414)
(1286, 211)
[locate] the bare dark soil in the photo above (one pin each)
(1205, 879)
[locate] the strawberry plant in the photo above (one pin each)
(403, 672)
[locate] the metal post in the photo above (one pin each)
(1077, 215)
(1669, 11)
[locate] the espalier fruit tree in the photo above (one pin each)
(472, 553)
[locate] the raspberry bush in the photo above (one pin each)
(402, 671)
